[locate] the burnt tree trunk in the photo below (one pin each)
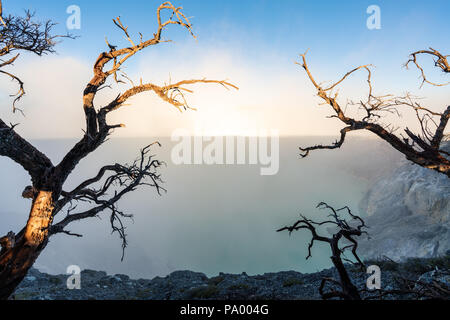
(348, 288)
(19, 255)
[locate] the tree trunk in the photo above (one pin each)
(348, 288)
(16, 260)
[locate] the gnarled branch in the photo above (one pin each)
(13, 146)
(440, 62)
(344, 230)
(122, 180)
(97, 128)
(424, 149)
(19, 33)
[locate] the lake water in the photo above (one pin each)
(219, 218)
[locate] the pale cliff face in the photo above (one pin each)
(409, 214)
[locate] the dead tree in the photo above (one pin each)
(423, 148)
(19, 251)
(344, 231)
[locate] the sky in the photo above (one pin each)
(253, 44)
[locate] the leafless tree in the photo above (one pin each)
(345, 234)
(344, 231)
(423, 148)
(19, 251)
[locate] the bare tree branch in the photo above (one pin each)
(19, 34)
(124, 179)
(344, 230)
(167, 93)
(13, 146)
(440, 62)
(97, 128)
(423, 149)
(25, 34)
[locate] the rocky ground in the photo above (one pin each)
(186, 285)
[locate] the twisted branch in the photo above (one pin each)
(440, 62)
(24, 34)
(122, 180)
(423, 148)
(343, 231)
(97, 128)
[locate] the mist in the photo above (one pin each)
(213, 218)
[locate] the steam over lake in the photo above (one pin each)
(214, 218)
